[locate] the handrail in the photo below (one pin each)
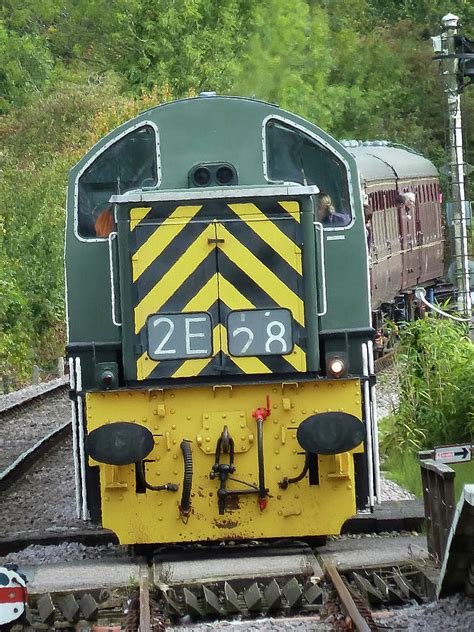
(112, 278)
(319, 226)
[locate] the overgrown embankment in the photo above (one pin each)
(435, 366)
(40, 146)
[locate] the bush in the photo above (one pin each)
(436, 373)
(40, 143)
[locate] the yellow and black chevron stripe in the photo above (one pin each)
(216, 257)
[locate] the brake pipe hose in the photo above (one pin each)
(185, 506)
(167, 487)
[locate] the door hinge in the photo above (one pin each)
(215, 240)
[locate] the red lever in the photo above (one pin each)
(262, 503)
(262, 413)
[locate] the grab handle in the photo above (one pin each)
(111, 237)
(319, 227)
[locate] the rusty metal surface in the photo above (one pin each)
(385, 361)
(347, 601)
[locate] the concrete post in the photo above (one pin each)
(61, 367)
(35, 377)
(6, 384)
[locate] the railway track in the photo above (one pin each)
(22, 463)
(26, 434)
(13, 406)
(385, 361)
(357, 615)
(328, 602)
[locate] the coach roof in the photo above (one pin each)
(381, 161)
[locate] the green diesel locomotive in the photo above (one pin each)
(220, 339)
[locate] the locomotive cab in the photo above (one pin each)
(222, 386)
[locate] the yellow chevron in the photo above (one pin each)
(231, 296)
(161, 238)
(293, 208)
(248, 208)
(201, 302)
(297, 358)
(269, 232)
(174, 278)
(137, 214)
(263, 276)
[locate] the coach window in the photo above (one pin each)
(129, 163)
(293, 156)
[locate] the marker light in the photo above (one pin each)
(336, 366)
(107, 379)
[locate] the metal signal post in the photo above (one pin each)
(450, 68)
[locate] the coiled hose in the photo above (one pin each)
(185, 507)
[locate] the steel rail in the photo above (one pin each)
(385, 361)
(30, 456)
(347, 603)
(28, 401)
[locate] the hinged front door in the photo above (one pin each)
(175, 295)
(261, 304)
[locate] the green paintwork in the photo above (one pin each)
(218, 129)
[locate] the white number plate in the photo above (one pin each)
(260, 332)
(179, 336)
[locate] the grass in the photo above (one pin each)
(404, 469)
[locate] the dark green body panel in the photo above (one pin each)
(220, 129)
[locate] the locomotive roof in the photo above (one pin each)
(384, 161)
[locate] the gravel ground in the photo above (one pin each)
(261, 625)
(451, 613)
(388, 396)
(44, 499)
(387, 392)
(65, 552)
(389, 490)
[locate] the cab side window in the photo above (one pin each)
(293, 156)
(129, 163)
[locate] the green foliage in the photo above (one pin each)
(25, 66)
(186, 44)
(41, 142)
(427, 12)
(404, 469)
(436, 374)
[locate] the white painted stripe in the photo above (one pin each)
(82, 457)
(368, 424)
(373, 401)
(72, 374)
(78, 374)
(77, 474)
